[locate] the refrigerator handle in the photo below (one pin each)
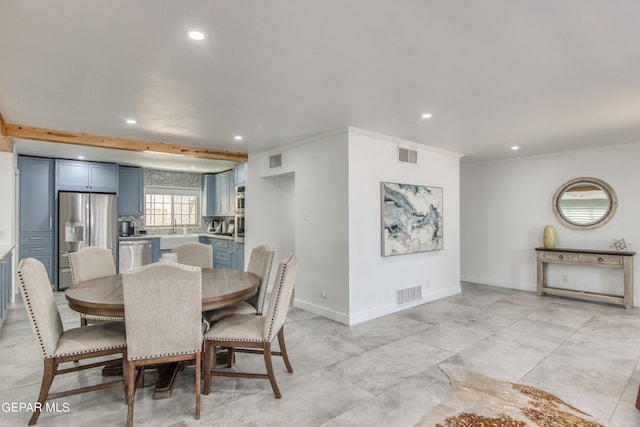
(50, 223)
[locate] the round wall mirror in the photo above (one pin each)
(585, 203)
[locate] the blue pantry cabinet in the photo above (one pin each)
(37, 211)
(218, 194)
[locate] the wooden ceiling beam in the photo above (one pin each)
(6, 145)
(78, 138)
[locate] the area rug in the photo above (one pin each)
(480, 401)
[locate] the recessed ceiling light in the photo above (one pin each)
(81, 157)
(515, 147)
(196, 35)
(131, 121)
(426, 115)
(192, 167)
(238, 138)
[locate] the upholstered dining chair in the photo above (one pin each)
(56, 344)
(254, 334)
(260, 262)
(162, 320)
(91, 262)
(195, 254)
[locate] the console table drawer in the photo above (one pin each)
(559, 256)
(601, 259)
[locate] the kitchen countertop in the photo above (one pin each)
(158, 236)
(141, 237)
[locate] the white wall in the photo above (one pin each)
(334, 214)
(373, 279)
(506, 204)
(314, 218)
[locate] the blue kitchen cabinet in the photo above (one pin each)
(239, 174)
(36, 215)
(131, 191)
(72, 175)
(208, 241)
(226, 253)
(221, 258)
(208, 195)
(36, 194)
(218, 194)
(237, 254)
(6, 273)
(155, 249)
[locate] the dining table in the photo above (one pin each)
(103, 297)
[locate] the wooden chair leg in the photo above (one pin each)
(131, 389)
(198, 367)
(209, 365)
(230, 357)
(125, 376)
(267, 362)
(283, 350)
(50, 367)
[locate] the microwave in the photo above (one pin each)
(239, 207)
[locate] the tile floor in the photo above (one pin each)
(380, 373)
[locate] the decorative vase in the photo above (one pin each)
(549, 237)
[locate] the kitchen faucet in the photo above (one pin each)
(173, 225)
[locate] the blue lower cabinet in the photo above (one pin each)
(236, 254)
(6, 273)
(155, 249)
(221, 253)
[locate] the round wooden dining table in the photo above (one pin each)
(220, 287)
(103, 297)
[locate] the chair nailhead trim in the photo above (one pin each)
(152, 356)
(284, 271)
(23, 288)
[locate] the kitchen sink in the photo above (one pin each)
(169, 241)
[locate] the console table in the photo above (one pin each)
(605, 259)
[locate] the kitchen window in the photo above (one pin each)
(164, 204)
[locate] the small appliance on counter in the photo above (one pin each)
(230, 228)
(216, 227)
(124, 228)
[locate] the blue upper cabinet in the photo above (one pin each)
(36, 194)
(239, 172)
(218, 194)
(73, 175)
(131, 191)
(208, 195)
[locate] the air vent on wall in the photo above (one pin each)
(407, 156)
(275, 161)
(407, 295)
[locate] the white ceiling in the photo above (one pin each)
(545, 75)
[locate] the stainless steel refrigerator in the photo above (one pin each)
(84, 219)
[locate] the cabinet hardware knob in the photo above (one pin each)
(600, 259)
(561, 257)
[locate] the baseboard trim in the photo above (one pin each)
(530, 287)
(376, 312)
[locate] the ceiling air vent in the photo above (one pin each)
(275, 161)
(407, 156)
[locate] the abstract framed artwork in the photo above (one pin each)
(411, 218)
